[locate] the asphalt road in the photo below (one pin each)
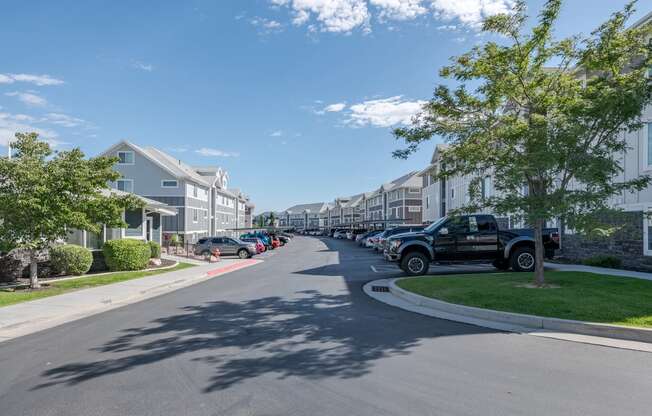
(295, 335)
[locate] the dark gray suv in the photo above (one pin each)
(228, 247)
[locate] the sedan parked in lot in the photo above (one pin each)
(339, 234)
(260, 247)
(382, 240)
(226, 245)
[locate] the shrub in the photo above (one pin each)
(126, 254)
(156, 249)
(611, 262)
(71, 259)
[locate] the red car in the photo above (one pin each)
(260, 247)
(276, 243)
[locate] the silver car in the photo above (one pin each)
(226, 245)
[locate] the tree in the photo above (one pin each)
(260, 221)
(272, 219)
(544, 118)
(44, 194)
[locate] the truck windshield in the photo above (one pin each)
(432, 227)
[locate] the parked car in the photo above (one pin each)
(264, 237)
(260, 247)
(364, 238)
(382, 243)
(226, 245)
(283, 239)
(372, 240)
(468, 238)
(339, 234)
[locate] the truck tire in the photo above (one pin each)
(522, 259)
(501, 264)
(415, 264)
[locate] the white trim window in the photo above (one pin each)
(647, 235)
(649, 144)
(195, 215)
(126, 157)
(125, 185)
(169, 183)
(414, 208)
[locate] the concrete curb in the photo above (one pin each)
(521, 320)
(125, 293)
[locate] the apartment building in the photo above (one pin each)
(204, 204)
(304, 216)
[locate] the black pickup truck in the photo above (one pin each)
(467, 238)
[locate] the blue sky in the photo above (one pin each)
(295, 98)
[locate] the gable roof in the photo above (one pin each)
(312, 208)
(409, 180)
(163, 160)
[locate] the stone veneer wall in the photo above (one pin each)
(626, 243)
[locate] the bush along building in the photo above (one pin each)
(200, 195)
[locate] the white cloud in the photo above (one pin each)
(335, 108)
(277, 133)
(29, 98)
(206, 151)
(470, 12)
(264, 23)
(384, 112)
(10, 124)
(331, 15)
(399, 9)
(142, 66)
(39, 80)
(63, 120)
(343, 16)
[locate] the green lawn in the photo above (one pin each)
(57, 288)
(580, 296)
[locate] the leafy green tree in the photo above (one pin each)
(44, 194)
(260, 221)
(272, 219)
(544, 118)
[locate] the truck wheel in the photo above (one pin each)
(415, 264)
(243, 254)
(522, 260)
(501, 264)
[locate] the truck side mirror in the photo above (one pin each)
(443, 231)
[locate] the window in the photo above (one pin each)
(194, 191)
(195, 215)
(125, 185)
(452, 193)
(427, 201)
(647, 235)
(649, 144)
(414, 209)
(125, 158)
(169, 184)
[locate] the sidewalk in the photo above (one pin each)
(28, 317)
(597, 270)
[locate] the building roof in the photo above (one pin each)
(409, 180)
(315, 207)
(166, 162)
(150, 204)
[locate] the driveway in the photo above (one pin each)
(295, 335)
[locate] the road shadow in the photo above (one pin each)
(309, 334)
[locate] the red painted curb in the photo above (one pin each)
(231, 267)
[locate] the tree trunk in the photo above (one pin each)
(33, 272)
(539, 278)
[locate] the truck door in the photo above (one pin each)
(445, 240)
(478, 239)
